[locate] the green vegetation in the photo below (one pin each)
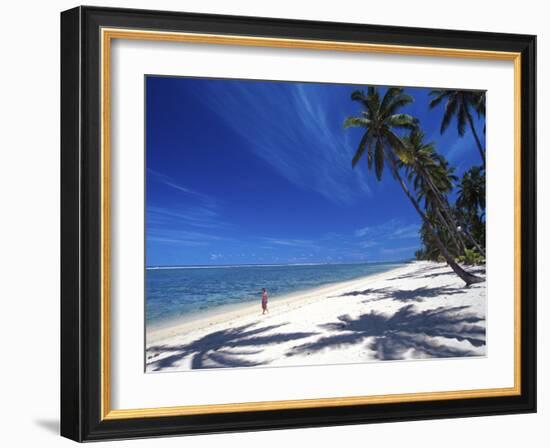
(453, 233)
(471, 257)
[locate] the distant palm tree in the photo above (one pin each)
(459, 104)
(471, 190)
(470, 202)
(480, 106)
(433, 179)
(379, 119)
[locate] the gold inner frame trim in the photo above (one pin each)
(107, 35)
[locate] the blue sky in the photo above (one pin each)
(253, 172)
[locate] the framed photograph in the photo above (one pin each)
(276, 224)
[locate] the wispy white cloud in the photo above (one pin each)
(368, 244)
(378, 242)
(458, 147)
(183, 237)
(200, 210)
(302, 144)
(199, 216)
(390, 230)
(363, 231)
(300, 243)
(178, 241)
(410, 231)
(169, 182)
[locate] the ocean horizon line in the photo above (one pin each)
(243, 265)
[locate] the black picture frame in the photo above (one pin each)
(81, 224)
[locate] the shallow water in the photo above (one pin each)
(173, 292)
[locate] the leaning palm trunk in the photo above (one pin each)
(444, 205)
(470, 237)
(464, 232)
(477, 246)
(464, 275)
(472, 241)
(458, 243)
(478, 142)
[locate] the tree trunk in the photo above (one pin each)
(452, 227)
(478, 142)
(470, 237)
(447, 209)
(464, 275)
(452, 234)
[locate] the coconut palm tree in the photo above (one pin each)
(382, 145)
(433, 179)
(459, 104)
(471, 190)
(429, 249)
(470, 201)
(480, 106)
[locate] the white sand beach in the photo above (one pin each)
(420, 310)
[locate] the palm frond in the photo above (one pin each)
(355, 122)
(363, 144)
(391, 93)
(397, 103)
(373, 100)
(438, 96)
(403, 121)
(450, 109)
(370, 155)
(479, 103)
(358, 95)
(379, 158)
(461, 117)
(398, 146)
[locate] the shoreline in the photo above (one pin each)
(415, 311)
(229, 312)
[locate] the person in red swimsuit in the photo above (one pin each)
(264, 301)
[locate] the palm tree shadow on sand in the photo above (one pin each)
(408, 333)
(431, 272)
(390, 337)
(404, 295)
(224, 348)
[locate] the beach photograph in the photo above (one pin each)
(297, 223)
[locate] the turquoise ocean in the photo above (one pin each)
(177, 292)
